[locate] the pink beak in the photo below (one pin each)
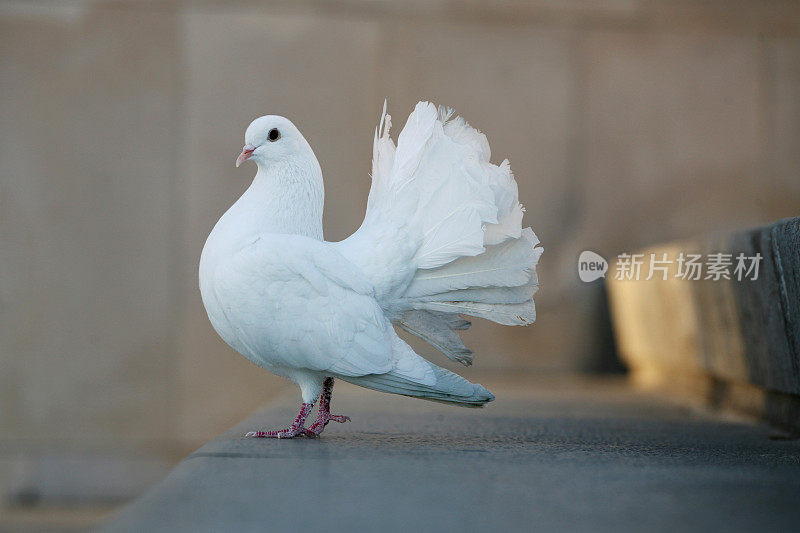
(247, 151)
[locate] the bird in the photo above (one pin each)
(441, 240)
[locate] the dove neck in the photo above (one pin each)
(286, 198)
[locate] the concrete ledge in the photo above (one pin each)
(548, 455)
(736, 342)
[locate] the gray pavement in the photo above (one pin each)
(548, 455)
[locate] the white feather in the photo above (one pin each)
(438, 329)
(509, 264)
(520, 314)
(464, 235)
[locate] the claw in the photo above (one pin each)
(288, 433)
(297, 429)
(323, 419)
(324, 416)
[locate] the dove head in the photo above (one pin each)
(271, 139)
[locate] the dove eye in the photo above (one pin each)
(273, 135)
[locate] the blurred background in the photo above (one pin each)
(627, 123)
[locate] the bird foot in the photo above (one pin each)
(322, 421)
(288, 433)
(297, 428)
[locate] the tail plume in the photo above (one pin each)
(443, 233)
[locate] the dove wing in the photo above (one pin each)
(300, 304)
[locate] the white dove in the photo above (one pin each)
(442, 236)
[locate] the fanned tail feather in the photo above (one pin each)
(508, 264)
(506, 314)
(456, 219)
(497, 285)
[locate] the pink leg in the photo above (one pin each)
(325, 415)
(294, 430)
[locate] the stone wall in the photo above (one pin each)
(731, 340)
(626, 124)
